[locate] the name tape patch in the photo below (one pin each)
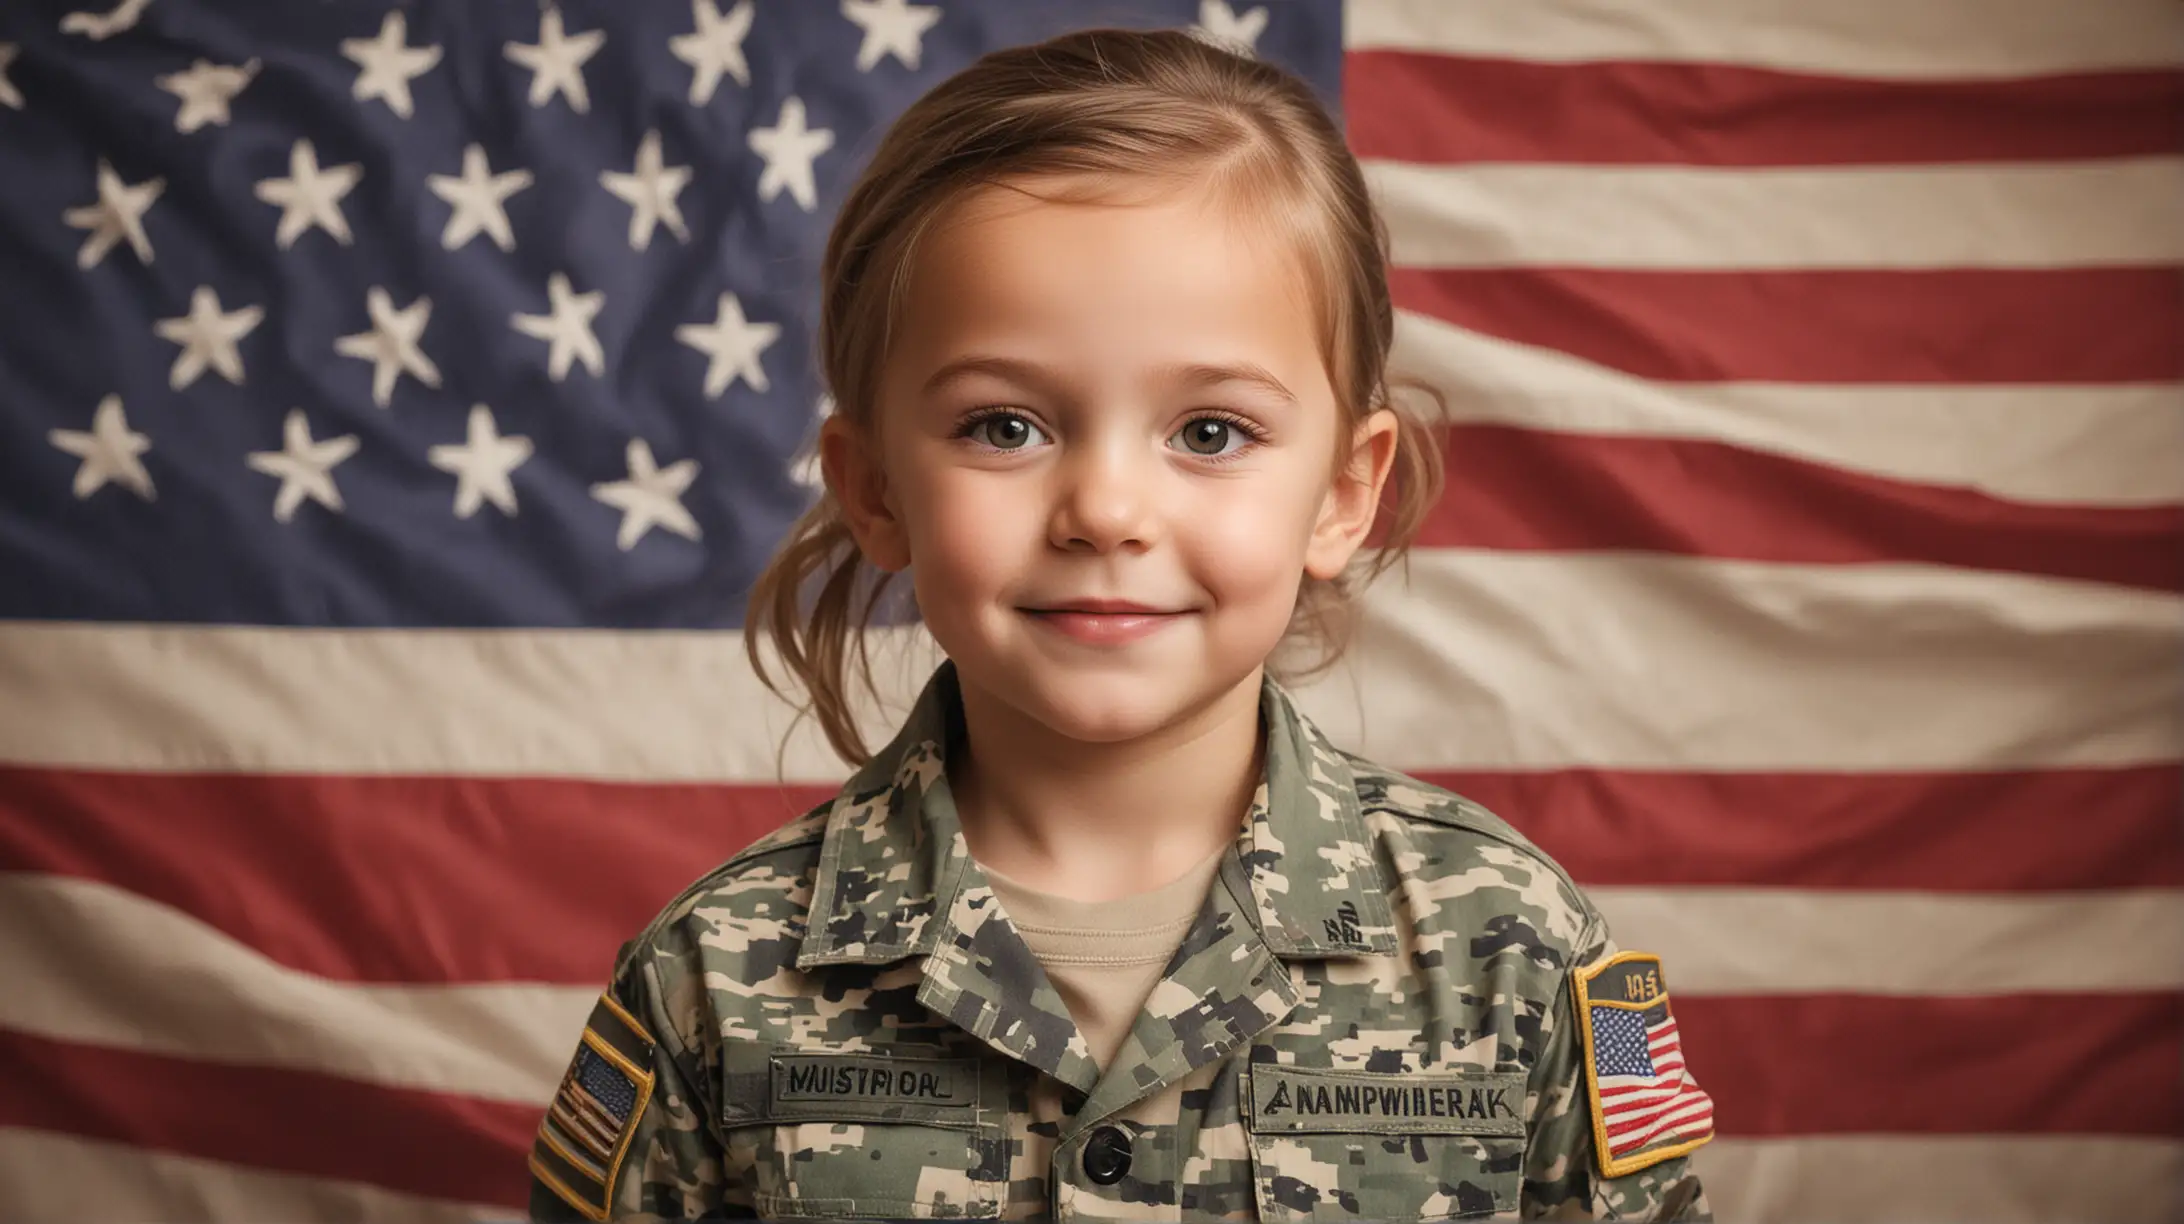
(871, 1087)
(1299, 1101)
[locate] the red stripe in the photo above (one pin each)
(393, 879)
(2081, 1063)
(1957, 325)
(572, 1126)
(1536, 490)
(412, 880)
(423, 1143)
(1630, 1138)
(591, 1117)
(1642, 1119)
(1813, 830)
(1622, 1097)
(1657, 1084)
(1626, 113)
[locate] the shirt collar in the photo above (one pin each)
(893, 858)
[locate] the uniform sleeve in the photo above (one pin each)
(632, 1133)
(1562, 1172)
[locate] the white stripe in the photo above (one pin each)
(1932, 1179)
(62, 1177)
(1496, 660)
(2118, 211)
(1852, 38)
(195, 993)
(1481, 660)
(642, 706)
(1768, 941)
(2080, 445)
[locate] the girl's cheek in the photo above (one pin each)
(968, 526)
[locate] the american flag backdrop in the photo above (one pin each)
(396, 399)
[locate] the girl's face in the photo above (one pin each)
(1105, 451)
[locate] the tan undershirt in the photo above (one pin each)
(1104, 957)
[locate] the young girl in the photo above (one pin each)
(1109, 930)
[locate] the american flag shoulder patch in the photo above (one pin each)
(1646, 1106)
(585, 1135)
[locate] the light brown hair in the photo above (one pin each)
(1097, 107)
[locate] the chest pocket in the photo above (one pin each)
(1331, 1144)
(902, 1133)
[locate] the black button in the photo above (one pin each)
(1106, 1156)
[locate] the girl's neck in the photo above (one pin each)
(1093, 822)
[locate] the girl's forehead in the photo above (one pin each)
(1031, 252)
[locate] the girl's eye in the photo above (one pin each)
(1004, 431)
(1212, 436)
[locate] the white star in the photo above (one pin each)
(891, 27)
(387, 64)
(109, 452)
(557, 61)
(205, 90)
(716, 48)
(650, 193)
(651, 497)
(208, 338)
(9, 95)
(567, 327)
(733, 343)
(99, 27)
(481, 465)
(391, 344)
(477, 197)
(1223, 27)
(309, 196)
(305, 468)
(118, 214)
(789, 148)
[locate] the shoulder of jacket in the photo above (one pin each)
(806, 829)
(1380, 789)
(788, 852)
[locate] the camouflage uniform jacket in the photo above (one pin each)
(840, 1022)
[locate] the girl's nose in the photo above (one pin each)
(1103, 500)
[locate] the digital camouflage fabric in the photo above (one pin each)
(1371, 1017)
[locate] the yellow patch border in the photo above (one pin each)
(1646, 1158)
(643, 1079)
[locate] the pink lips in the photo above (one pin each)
(1103, 622)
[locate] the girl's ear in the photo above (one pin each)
(1353, 501)
(850, 460)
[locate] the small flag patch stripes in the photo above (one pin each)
(585, 1136)
(1646, 1105)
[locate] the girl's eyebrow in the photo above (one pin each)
(1192, 376)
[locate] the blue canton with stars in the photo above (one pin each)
(607, 1084)
(396, 313)
(1619, 1042)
